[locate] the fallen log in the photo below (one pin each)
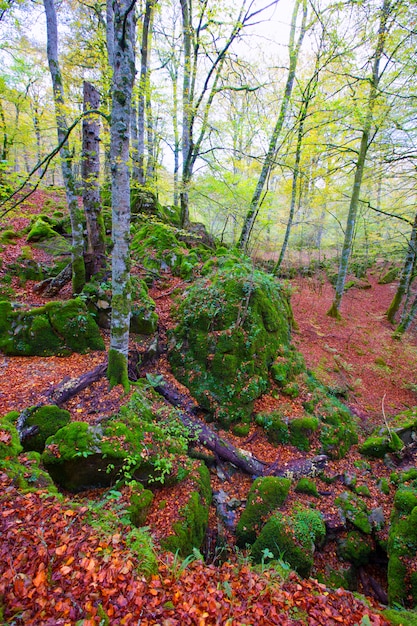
(52, 286)
(228, 452)
(70, 387)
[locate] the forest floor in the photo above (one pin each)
(57, 569)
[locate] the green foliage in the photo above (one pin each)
(231, 326)
(291, 538)
(48, 419)
(266, 494)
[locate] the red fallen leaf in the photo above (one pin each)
(40, 577)
(60, 550)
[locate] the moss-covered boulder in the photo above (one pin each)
(275, 426)
(355, 548)
(377, 446)
(265, 495)
(41, 229)
(232, 325)
(355, 511)
(189, 532)
(292, 538)
(144, 319)
(58, 328)
(402, 547)
(138, 444)
(301, 428)
(10, 445)
(46, 421)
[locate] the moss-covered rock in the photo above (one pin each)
(27, 474)
(144, 319)
(355, 548)
(275, 426)
(292, 538)
(56, 328)
(300, 430)
(402, 547)
(354, 509)
(265, 495)
(232, 325)
(307, 486)
(140, 504)
(40, 229)
(377, 446)
(10, 445)
(47, 420)
(189, 532)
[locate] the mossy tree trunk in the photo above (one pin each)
(269, 161)
(90, 169)
(122, 55)
(361, 160)
(76, 214)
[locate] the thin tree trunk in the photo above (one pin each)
(90, 171)
(186, 109)
(360, 163)
(406, 274)
(123, 54)
(143, 89)
(268, 164)
(78, 268)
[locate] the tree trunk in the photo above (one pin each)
(360, 163)
(90, 171)
(122, 51)
(406, 274)
(78, 268)
(269, 162)
(143, 89)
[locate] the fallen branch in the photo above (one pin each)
(70, 387)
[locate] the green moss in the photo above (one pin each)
(355, 548)
(355, 511)
(27, 474)
(226, 340)
(305, 485)
(378, 446)
(140, 504)
(383, 486)
(335, 578)
(300, 430)
(8, 236)
(291, 538)
(48, 419)
(275, 427)
(9, 439)
(400, 617)
(265, 495)
(40, 230)
(405, 498)
(362, 490)
(143, 319)
(189, 532)
(117, 373)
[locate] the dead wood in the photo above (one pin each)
(70, 387)
(226, 451)
(51, 286)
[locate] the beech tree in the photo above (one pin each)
(269, 161)
(76, 216)
(121, 50)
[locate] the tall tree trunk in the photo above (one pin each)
(360, 163)
(90, 171)
(144, 88)
(186, 109)
(406, 274)
(123, 65)
(294, 49)
(76, 216)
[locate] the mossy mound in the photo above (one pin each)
(189, 532)
(47, 420)
(10, 445)
(355, 511)
(275, 426)
(157, 247)
(41, 229)
(307, 486)
(140, 504)
(265, 495)
(58, 328)
(232, 325)
(139, 444)
(402, 547)
(292, 538)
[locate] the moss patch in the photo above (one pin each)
(48, 420)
